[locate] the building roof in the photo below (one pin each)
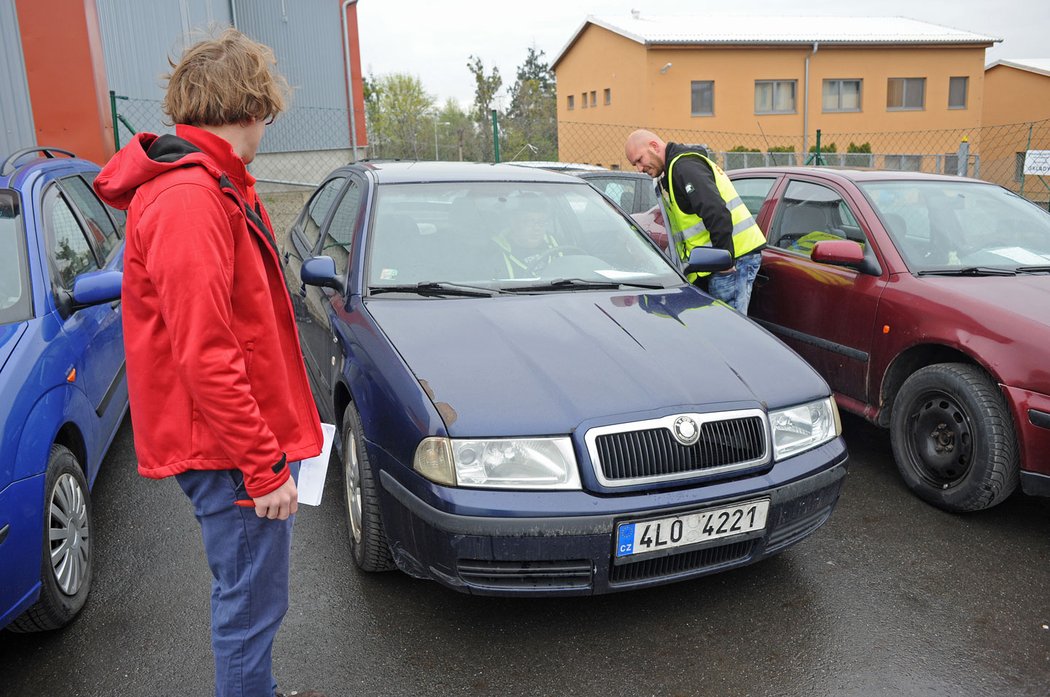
(699, 30)
(1032, 65)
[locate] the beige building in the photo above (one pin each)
(907, 88)
(1017, 110)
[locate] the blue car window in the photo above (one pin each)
(103, 232)
(15, 303)
(68, 249)
(338, 235)
(317, 210)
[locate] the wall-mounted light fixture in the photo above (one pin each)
(664, 69)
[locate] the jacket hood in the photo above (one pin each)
(145, 158)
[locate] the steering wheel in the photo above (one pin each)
(546, 257)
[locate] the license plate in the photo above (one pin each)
(641, 537)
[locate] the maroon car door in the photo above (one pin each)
(825, 312)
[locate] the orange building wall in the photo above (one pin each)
(1015, 95)
(356, 82)
(661, 101)
(66, 73)
(1016, 118)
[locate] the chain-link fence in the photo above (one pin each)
(993, 153)
(300, 148)
(307, 143)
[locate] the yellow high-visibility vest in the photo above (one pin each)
(688, 230)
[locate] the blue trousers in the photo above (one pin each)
(734, 288)
(249, 559)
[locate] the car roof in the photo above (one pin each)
(559, 166)
(18, 166)
(615, 173)
(854, 175)
(419, 172)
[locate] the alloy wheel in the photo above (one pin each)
(352, 481)
(68, 534)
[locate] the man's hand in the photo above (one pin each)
(279, 503)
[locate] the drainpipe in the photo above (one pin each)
(805, 106)
(233, 13)
(349, 76)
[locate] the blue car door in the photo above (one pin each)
(81, 237)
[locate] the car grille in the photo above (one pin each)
(629, 455)
(523, 575)
(709, 558)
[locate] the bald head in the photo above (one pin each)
(645, 151)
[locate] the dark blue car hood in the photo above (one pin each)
(543, 364)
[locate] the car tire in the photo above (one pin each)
(953, 438)
(368, 543)
(65, 578)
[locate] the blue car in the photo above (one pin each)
(532, 400)
(63, 392)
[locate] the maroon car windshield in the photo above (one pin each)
(962, 227)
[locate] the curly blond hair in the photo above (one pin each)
(225, 80)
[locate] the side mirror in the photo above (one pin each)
(96, 288)
(321, 272)
(708, 259)
(846, 253)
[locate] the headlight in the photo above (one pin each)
(803, 427)
(505, 463)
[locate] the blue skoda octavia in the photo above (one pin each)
(531, 398)
(62, 387)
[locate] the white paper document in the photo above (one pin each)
(313, 470)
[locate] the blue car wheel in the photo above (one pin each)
(66, 566)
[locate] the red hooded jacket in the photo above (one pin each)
(215, 371)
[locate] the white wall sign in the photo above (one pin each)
(1037, 162)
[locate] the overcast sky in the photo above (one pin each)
(433, 39)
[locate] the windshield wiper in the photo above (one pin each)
(969, 271)
(581, 283)
(438, 288)
(1033, 269)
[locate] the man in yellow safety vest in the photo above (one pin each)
(703, 209)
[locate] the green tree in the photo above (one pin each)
(457, 134)
(485, 88)
(532, 119)
(401, 121)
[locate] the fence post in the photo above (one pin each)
(1027, 145)
(495, 137)
(963, 164)
(113, 114)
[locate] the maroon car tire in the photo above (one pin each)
(953, 438)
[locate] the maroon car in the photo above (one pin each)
(924, 301)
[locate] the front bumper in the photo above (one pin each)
(574, 554)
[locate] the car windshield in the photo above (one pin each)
(15, 303)
(962, 227)
(507, 236)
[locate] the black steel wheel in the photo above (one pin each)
(67, 546)
(953, 438)
(368, 543)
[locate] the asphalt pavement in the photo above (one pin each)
(891, 597)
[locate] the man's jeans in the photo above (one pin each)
(734, 288)
(249, 558)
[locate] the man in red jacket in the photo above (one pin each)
(219, 394)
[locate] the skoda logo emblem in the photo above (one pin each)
(685, 430)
